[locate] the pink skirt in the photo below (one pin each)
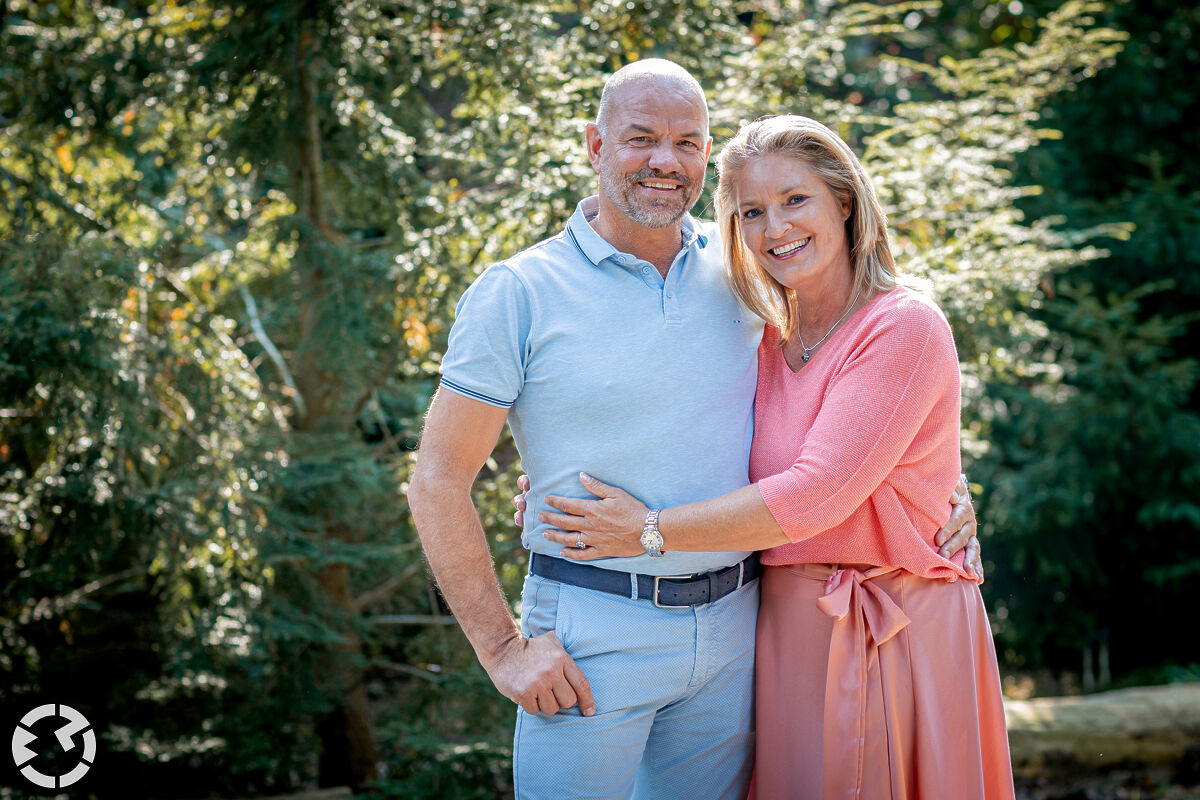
(874, 685)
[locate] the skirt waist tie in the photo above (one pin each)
(865, 617)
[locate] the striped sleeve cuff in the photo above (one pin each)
(474, 395)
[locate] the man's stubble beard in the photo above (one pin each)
(622, 191)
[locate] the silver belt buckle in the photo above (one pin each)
(658, 578)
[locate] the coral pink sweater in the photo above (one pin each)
(856, 455)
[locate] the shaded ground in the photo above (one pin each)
(1115, 787)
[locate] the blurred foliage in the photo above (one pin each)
(1091, 481)
(1090, 473)
(231, 239)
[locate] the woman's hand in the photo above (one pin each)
(961, 529)
(519, 501)
(609, 527)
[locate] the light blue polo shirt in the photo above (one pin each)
(608, 369)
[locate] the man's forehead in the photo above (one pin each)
(654, 105)
(658, 86)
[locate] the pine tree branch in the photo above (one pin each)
(373, 596)
(260, 333)
(412, 619)
(48, 607)
(408, 669)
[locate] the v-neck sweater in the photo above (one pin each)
(857, 453)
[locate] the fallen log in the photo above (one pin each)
(1150, 729)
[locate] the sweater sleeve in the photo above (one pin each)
(875, 406)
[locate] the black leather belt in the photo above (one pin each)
(667, 591)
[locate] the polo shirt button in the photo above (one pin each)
(669, 295)
(645, 270)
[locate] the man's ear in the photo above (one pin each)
(594, 143)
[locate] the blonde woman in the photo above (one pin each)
(876, 674)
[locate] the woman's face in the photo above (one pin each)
(791, 221)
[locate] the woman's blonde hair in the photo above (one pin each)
(821, 149)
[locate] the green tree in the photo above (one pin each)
(1086, 525)
(1124, 155)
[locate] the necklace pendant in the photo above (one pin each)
(805, 357)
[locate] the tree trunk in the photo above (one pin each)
(348, 753)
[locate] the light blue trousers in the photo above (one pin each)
(674, 691)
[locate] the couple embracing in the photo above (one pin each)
(777, 599)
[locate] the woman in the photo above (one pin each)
(876, 672)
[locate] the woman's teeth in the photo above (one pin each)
(790, 247)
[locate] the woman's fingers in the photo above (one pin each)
(519, 500)
(599, 487)
(974, 560)
(571, 505)
(961, 515)
(595, 545)
(569, 538)
(519, 515)
(958, 541)
(568, 522)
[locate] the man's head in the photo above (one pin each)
(650, 143)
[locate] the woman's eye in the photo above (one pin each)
(796, 199)
(750, 213)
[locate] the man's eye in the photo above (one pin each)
(692, 145)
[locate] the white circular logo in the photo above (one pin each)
(76, 723)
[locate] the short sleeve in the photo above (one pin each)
(486, 353)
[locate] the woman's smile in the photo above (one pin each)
(791, 248)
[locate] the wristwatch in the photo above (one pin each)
(652, 540)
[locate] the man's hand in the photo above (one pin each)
(460, 433)
(961, 530)
(538, 675)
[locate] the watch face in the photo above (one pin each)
(651, 540)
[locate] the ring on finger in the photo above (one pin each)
(579, 545)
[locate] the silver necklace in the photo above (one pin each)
(808, 350)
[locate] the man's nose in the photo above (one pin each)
(664, 158)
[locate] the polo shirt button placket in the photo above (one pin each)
(671, 308)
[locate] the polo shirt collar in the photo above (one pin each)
(597, 249)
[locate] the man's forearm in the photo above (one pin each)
(457, 551)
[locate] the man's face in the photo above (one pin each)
(652, 162)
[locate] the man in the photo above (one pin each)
(615, 347)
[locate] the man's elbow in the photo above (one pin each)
(422, 489)
(432, 488)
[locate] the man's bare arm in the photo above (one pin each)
(458, 438)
